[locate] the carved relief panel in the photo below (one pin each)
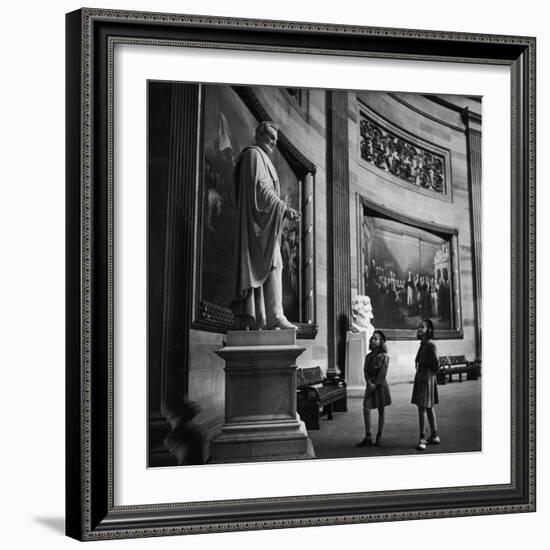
(401, 157)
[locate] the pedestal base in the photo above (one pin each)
(356, 350)
(261, 441)
(260, 399)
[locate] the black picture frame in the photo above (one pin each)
(90, 510)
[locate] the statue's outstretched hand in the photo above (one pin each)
(291, 214)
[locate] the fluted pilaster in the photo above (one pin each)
(178, 269)
(338, 228)
(473, 136)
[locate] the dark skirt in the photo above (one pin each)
(425, 389)
(380, 397)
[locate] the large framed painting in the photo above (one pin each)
(231, 114)
(410, 271)
(280, 262)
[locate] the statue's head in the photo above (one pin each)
(361, 308)
(267, 133)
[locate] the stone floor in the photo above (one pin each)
(458, 416)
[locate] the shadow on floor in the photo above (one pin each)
(54, 524)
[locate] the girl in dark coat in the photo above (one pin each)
(377, 392)
(424, 394)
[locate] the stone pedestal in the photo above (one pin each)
(260, 399)
(356, 349)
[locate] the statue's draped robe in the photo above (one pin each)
(260, 214)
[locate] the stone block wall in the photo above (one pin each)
(443, 127)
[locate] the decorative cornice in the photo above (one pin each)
(443, 102)
(403, 218)
(429, 116)
(468, 116)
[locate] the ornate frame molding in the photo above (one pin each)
(91, 513)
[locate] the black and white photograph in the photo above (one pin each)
(314, 263)
(300, 275)
(270, 274)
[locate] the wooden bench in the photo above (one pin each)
(317, 395)
(457, 364)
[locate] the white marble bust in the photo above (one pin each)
(361, 310)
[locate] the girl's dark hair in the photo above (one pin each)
(382, 347)
(430, 326)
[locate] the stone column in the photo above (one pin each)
(260, 399)
(338, 230)
(171, 279)
(182, 173)
(472, 122)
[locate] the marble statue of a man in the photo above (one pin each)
(258, 296)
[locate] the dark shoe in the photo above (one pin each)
(378, 442)
(367, 442)
(434, 440)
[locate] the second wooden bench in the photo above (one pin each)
(457, 364)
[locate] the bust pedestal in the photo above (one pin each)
(260, 399)
(356, 349)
